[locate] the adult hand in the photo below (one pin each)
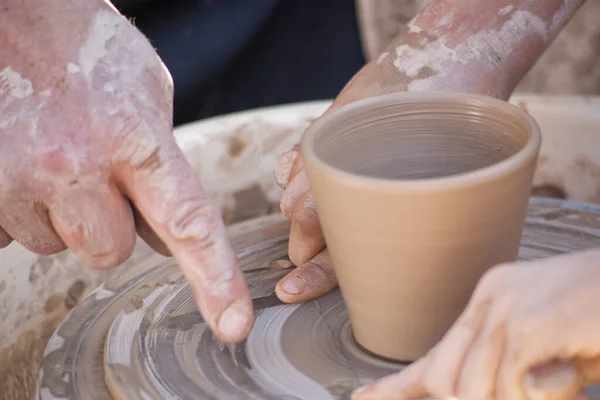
(483, 47)
(530, 332)
(87, 153)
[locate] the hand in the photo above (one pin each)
(314, 275)
(530, 332)
(442, 49)
(87, 154)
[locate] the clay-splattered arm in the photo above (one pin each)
(479, 46)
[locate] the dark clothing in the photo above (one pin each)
(232, 55)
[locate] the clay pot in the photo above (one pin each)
(418, 195)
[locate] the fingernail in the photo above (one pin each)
(293, 285)
(233, 322)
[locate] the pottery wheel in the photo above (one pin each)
(139, 336)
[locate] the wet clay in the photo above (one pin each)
(418, 195)
(147, 333)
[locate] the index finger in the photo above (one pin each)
(168, 194)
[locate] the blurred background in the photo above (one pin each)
(232, 55)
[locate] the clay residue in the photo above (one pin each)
(19, 363)
(582, 165)
(14, 84)
(74, 293)
(40, 268)
(523, 106)
(235, 146)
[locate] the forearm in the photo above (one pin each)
(477, 46)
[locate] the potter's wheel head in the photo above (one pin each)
(140, 335)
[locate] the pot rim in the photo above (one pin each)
(527, 154)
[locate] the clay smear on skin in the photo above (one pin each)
(97, 60)
(73, 68)
(14, 84)
(23, 117)
(93, 52)
(505, 10)
(489, 47)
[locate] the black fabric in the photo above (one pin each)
(232, 55)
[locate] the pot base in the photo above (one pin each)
(140, 335)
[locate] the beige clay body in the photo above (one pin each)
(418, 195)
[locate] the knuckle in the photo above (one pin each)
(286, 205)
(284, 168)
(136, 147)
(195, 220)
(56, 163)
(102, 253)
(323, 270)
(307, 210)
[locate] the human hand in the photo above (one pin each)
(529, 332)
(87, 154)
(443, 49)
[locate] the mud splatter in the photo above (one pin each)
(523, 106)
(75, 293)
(236, 146)
(582, 165)
(40, 268)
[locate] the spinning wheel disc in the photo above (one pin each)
(140, 336)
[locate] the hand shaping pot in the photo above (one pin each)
(418, 195)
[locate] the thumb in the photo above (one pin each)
(169, 196)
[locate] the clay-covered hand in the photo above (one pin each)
(87, 153)
(529, 332)
(475, 46)
(314, 275)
